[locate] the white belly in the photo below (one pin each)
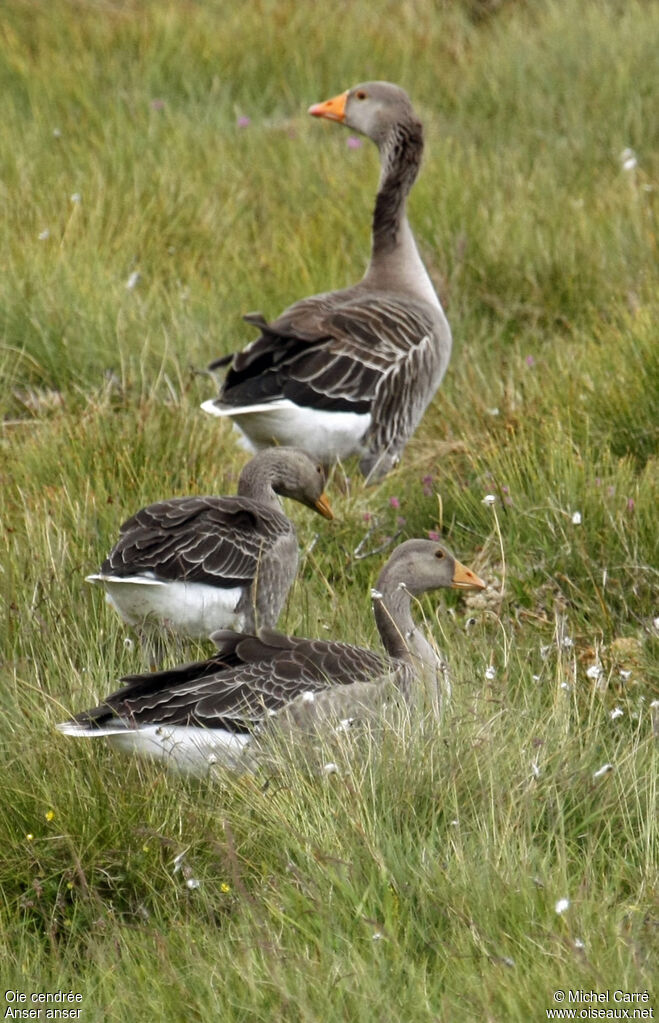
(189, 749)
(324, 435)
(186, 748)
(190, 609)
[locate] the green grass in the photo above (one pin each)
(419, 883)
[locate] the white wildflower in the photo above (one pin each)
(561, 906)
(133, 280)
(192, 883)
(595, 672)
(576, 518)
(616, 713)
(493, 411)
(44, 235)
(567, 642)
(535, 769)
(178, 861)
(566, 686)
(625, 675)
(579, 945)
(331, 768)
(378, 936)
(489, 499)
(628, 159)
(128, 643)
(490, 673)
(536, 678)
(545, 651)
(601, 771)
(76, 197)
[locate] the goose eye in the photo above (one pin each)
(439, 555)
(361, 94)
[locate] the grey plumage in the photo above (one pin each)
(196, 564)
(378, 349)
(253, 679)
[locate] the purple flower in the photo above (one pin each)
(433, 535)
(157, 104)
(530, 361)
(630, 504)
(394, 502)
(427, 482)
(367, 516)
(353, 142)
(244, 122)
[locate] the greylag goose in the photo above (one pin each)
(351, 371)
(210, 711)
(192, 565)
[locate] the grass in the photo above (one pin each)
(420, 881)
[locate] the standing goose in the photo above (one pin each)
(351, 371)
(192, 565)
(209, 712)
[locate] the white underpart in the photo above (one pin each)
(188, 749)
(191, 609)
(324, 435)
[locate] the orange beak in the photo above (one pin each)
(465, 579)
(333, 109)
(322, 505)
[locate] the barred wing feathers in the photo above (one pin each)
(214, 540)
(249, 679)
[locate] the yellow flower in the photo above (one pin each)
(225, 887)
(30, 838)
(50, 815)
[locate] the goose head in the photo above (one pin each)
(292, 473)
(420, 565)
(372, 109)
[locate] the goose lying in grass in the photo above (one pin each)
(211, 711)
(192, 565)
(351, 371)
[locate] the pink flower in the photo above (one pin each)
(394, 502)
(630, 504)
(353, 142)
(367, 516)
(433, 535)
(427, 482)
(244, 122)
(530, 361)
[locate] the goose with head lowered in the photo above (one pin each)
(351, 371)
(192, 565)
(213, 711)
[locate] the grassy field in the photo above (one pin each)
(160, 178)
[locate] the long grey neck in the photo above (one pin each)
(400, 636)
(395, 261)
(257, 481)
